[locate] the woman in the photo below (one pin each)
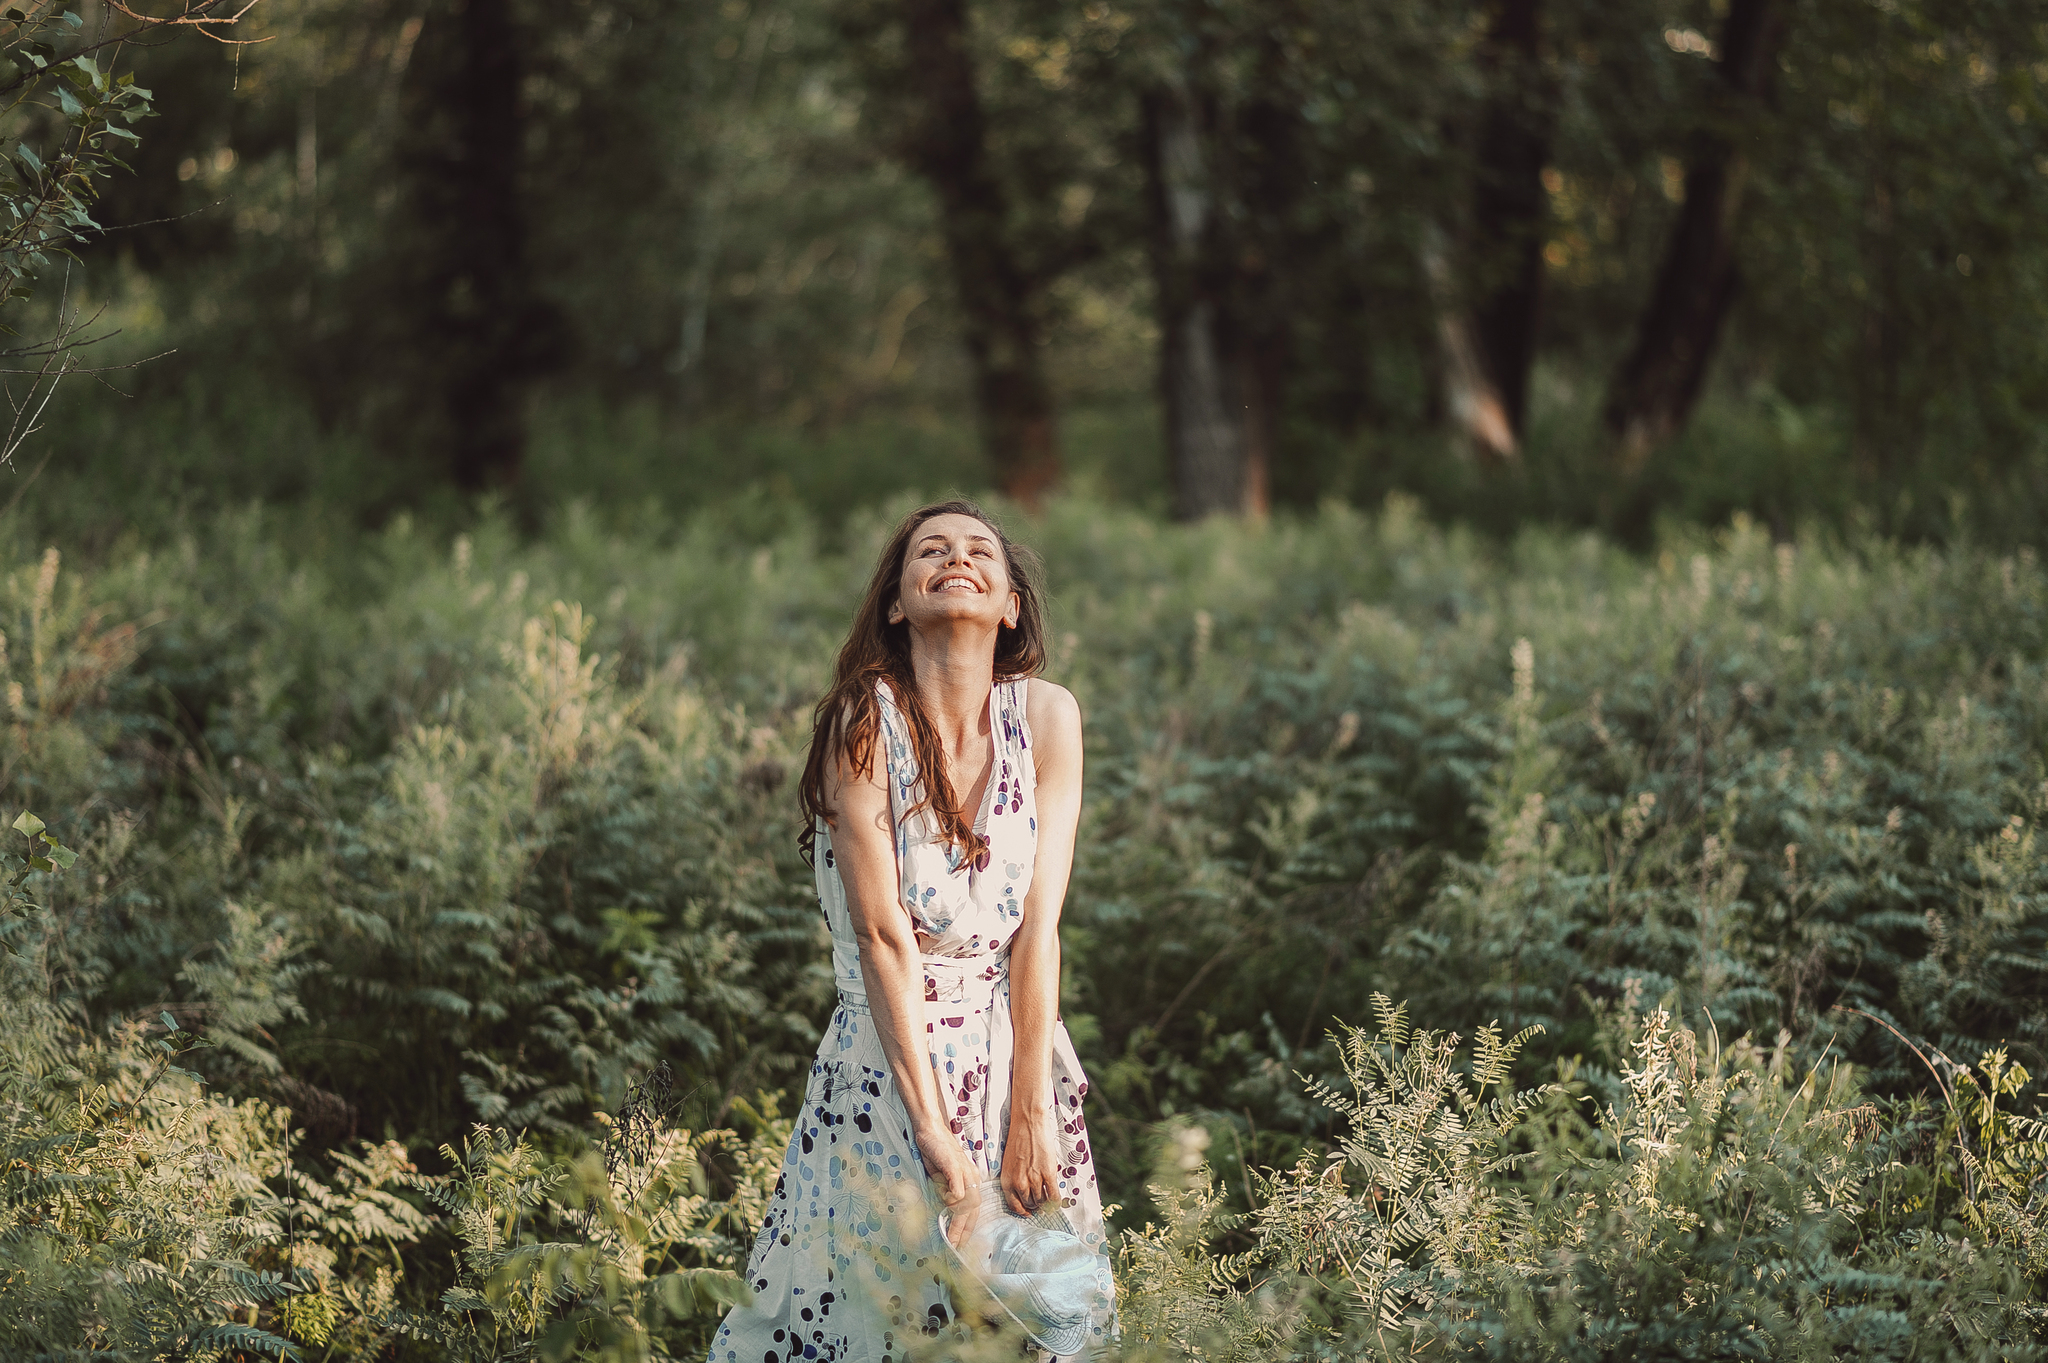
(943, 790)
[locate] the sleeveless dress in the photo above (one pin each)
(847, 1267)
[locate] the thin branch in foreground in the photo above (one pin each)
(59, 360)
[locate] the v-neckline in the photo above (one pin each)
(995, 751)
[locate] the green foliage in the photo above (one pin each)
(655, 1250)
(775, 280)
(52, 83)
(1429, 1150)
(1725, 1205)
(135, 1205)
(391, 795)
(1175, 1296)
(42, 853)
(345, 802)
(344, 1233)
(2003, 1157)
(146, 1217)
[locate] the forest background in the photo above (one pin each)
(1538, 502)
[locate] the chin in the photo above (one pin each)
(973, 608)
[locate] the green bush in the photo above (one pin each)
(145, 1218)
(418, 842)
(1725, 1205)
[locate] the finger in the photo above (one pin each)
(1014, 1199)
(961, 1225)
(952, 1192)
(957, 1188)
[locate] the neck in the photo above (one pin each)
(954, 669)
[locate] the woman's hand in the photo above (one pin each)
(953, 1178)
(1031, 1159)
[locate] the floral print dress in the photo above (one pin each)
(847, 1267)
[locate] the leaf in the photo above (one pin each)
(62, 855)
(701, 1291)
(167, 1020)
(247, 1338)
(559, 1343)
(29, 823)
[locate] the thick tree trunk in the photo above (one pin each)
(1511, 209)
(462, 291)
(1218, 421)
(488, 304)
(1655, 388)
(1268, 270)
(999, 298)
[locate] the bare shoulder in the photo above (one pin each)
(1054, 716)
(841, 770)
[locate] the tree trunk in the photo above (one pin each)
(999, 298)
(1654, 390)
(1471, 399)
(468, 330)
(1511, 209)
(488, 304)
(1217, 422)
(1275, 176)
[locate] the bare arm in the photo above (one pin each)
(892, 968)
(1031, 1153)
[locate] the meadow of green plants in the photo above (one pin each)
(402, 855)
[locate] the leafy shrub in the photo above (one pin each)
(147, 1218)
(132, 1206)
(418, 842)
(651, 1250)
(1723, 1205)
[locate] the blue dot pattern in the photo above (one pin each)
(845, 1267)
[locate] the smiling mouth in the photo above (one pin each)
(951, 584)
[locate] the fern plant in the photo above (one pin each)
(1726, 1202)
(132, 1203)
(1415, 1192)
(619, 1254)
(1176, 1297)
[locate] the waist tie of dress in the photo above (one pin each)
(971, 981)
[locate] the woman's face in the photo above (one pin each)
(954, 572)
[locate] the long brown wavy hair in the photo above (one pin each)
(849, 717)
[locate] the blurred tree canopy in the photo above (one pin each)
(1523, 257)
